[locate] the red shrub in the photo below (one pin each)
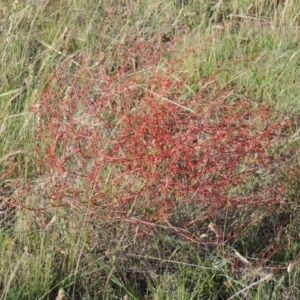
(129, 138)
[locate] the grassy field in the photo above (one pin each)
(149, 149)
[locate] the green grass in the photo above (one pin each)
(249, 48)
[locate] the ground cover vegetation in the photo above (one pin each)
(149, 149)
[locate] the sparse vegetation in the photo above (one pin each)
(149, 149)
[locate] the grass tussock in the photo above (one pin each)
(149, 150)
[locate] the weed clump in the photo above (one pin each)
(127, 137)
